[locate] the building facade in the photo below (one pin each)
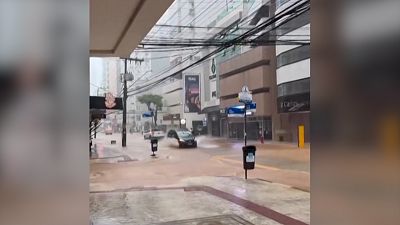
(278, 76)
(293, 75)
(255, 69)
(229, 17)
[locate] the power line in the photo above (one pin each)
(97, 86)
(194, 27)
(218, 44)
(265, 24)
(222, 33)
(284, 13)
(141, 49)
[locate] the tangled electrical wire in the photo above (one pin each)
(247, 38)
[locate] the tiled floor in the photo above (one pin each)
(213, 220)
(227, 201)
(162, 206)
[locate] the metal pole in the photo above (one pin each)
(95, 128)
(245, 174)
(125, 106)
(245, 127)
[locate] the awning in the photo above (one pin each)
(211, 109)
(117, 26)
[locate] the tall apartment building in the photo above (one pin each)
(105, 76)
(112, 71)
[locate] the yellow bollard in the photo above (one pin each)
(389, 135)
(301, 136)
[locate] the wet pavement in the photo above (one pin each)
(133, 165)
(197, 186)
(195, 199)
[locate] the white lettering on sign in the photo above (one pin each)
(250, 157)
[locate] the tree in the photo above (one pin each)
(153, 102)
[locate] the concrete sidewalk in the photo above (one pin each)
(202, 200)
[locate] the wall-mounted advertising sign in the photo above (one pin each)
(110, 102)
(192, 94)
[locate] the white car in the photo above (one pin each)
(153, 133)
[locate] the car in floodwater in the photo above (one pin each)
(182, 138)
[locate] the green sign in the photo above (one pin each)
(213, 67)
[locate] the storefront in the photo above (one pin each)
(233, 127)
(213, 120)
(293, 105)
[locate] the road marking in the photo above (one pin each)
(240, 162)
(260, 166)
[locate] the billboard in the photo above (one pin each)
(192, 94)
(98, 102)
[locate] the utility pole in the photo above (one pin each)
(245, 128)
(125, 97)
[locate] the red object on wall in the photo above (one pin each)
(261, 135)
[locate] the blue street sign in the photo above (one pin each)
(251, 106)
(239, 109)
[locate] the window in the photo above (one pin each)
(293, 55)
(294, 87)
(279, 3)
(294, 24)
